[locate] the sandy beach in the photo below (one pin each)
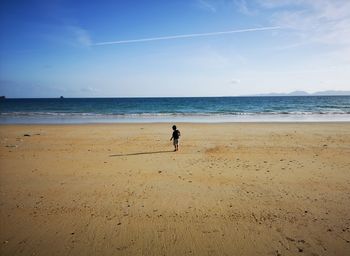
(119, 189)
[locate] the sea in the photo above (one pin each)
(181, 109)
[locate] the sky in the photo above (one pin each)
(169, 48)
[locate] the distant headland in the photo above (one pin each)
(303, 93)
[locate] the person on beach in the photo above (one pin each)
(175, 137)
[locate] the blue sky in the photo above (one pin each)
(53, 48)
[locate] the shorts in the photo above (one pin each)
(176, 142)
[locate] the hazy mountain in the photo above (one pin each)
(330, 92)
(303, 93)
(298, 93)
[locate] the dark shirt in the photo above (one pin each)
(176, 134)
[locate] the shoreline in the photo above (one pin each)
(181, 123)
(174, 120)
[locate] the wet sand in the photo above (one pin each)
(232, 189)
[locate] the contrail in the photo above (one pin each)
(187, 36)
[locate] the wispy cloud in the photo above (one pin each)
(206, 5)
(58, 25)
(189, 35)
(320, 21)
(79, 36)
(89, 90)
(242, 7)
(235, 81)
(68, 35)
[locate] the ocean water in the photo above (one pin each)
(196, 109)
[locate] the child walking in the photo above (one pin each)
(175, 136)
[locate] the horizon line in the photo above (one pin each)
(218, 96)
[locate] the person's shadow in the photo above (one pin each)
(143, 153)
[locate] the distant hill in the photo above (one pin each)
(303, 93)
(332, 93)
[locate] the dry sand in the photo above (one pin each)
(232, 189)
